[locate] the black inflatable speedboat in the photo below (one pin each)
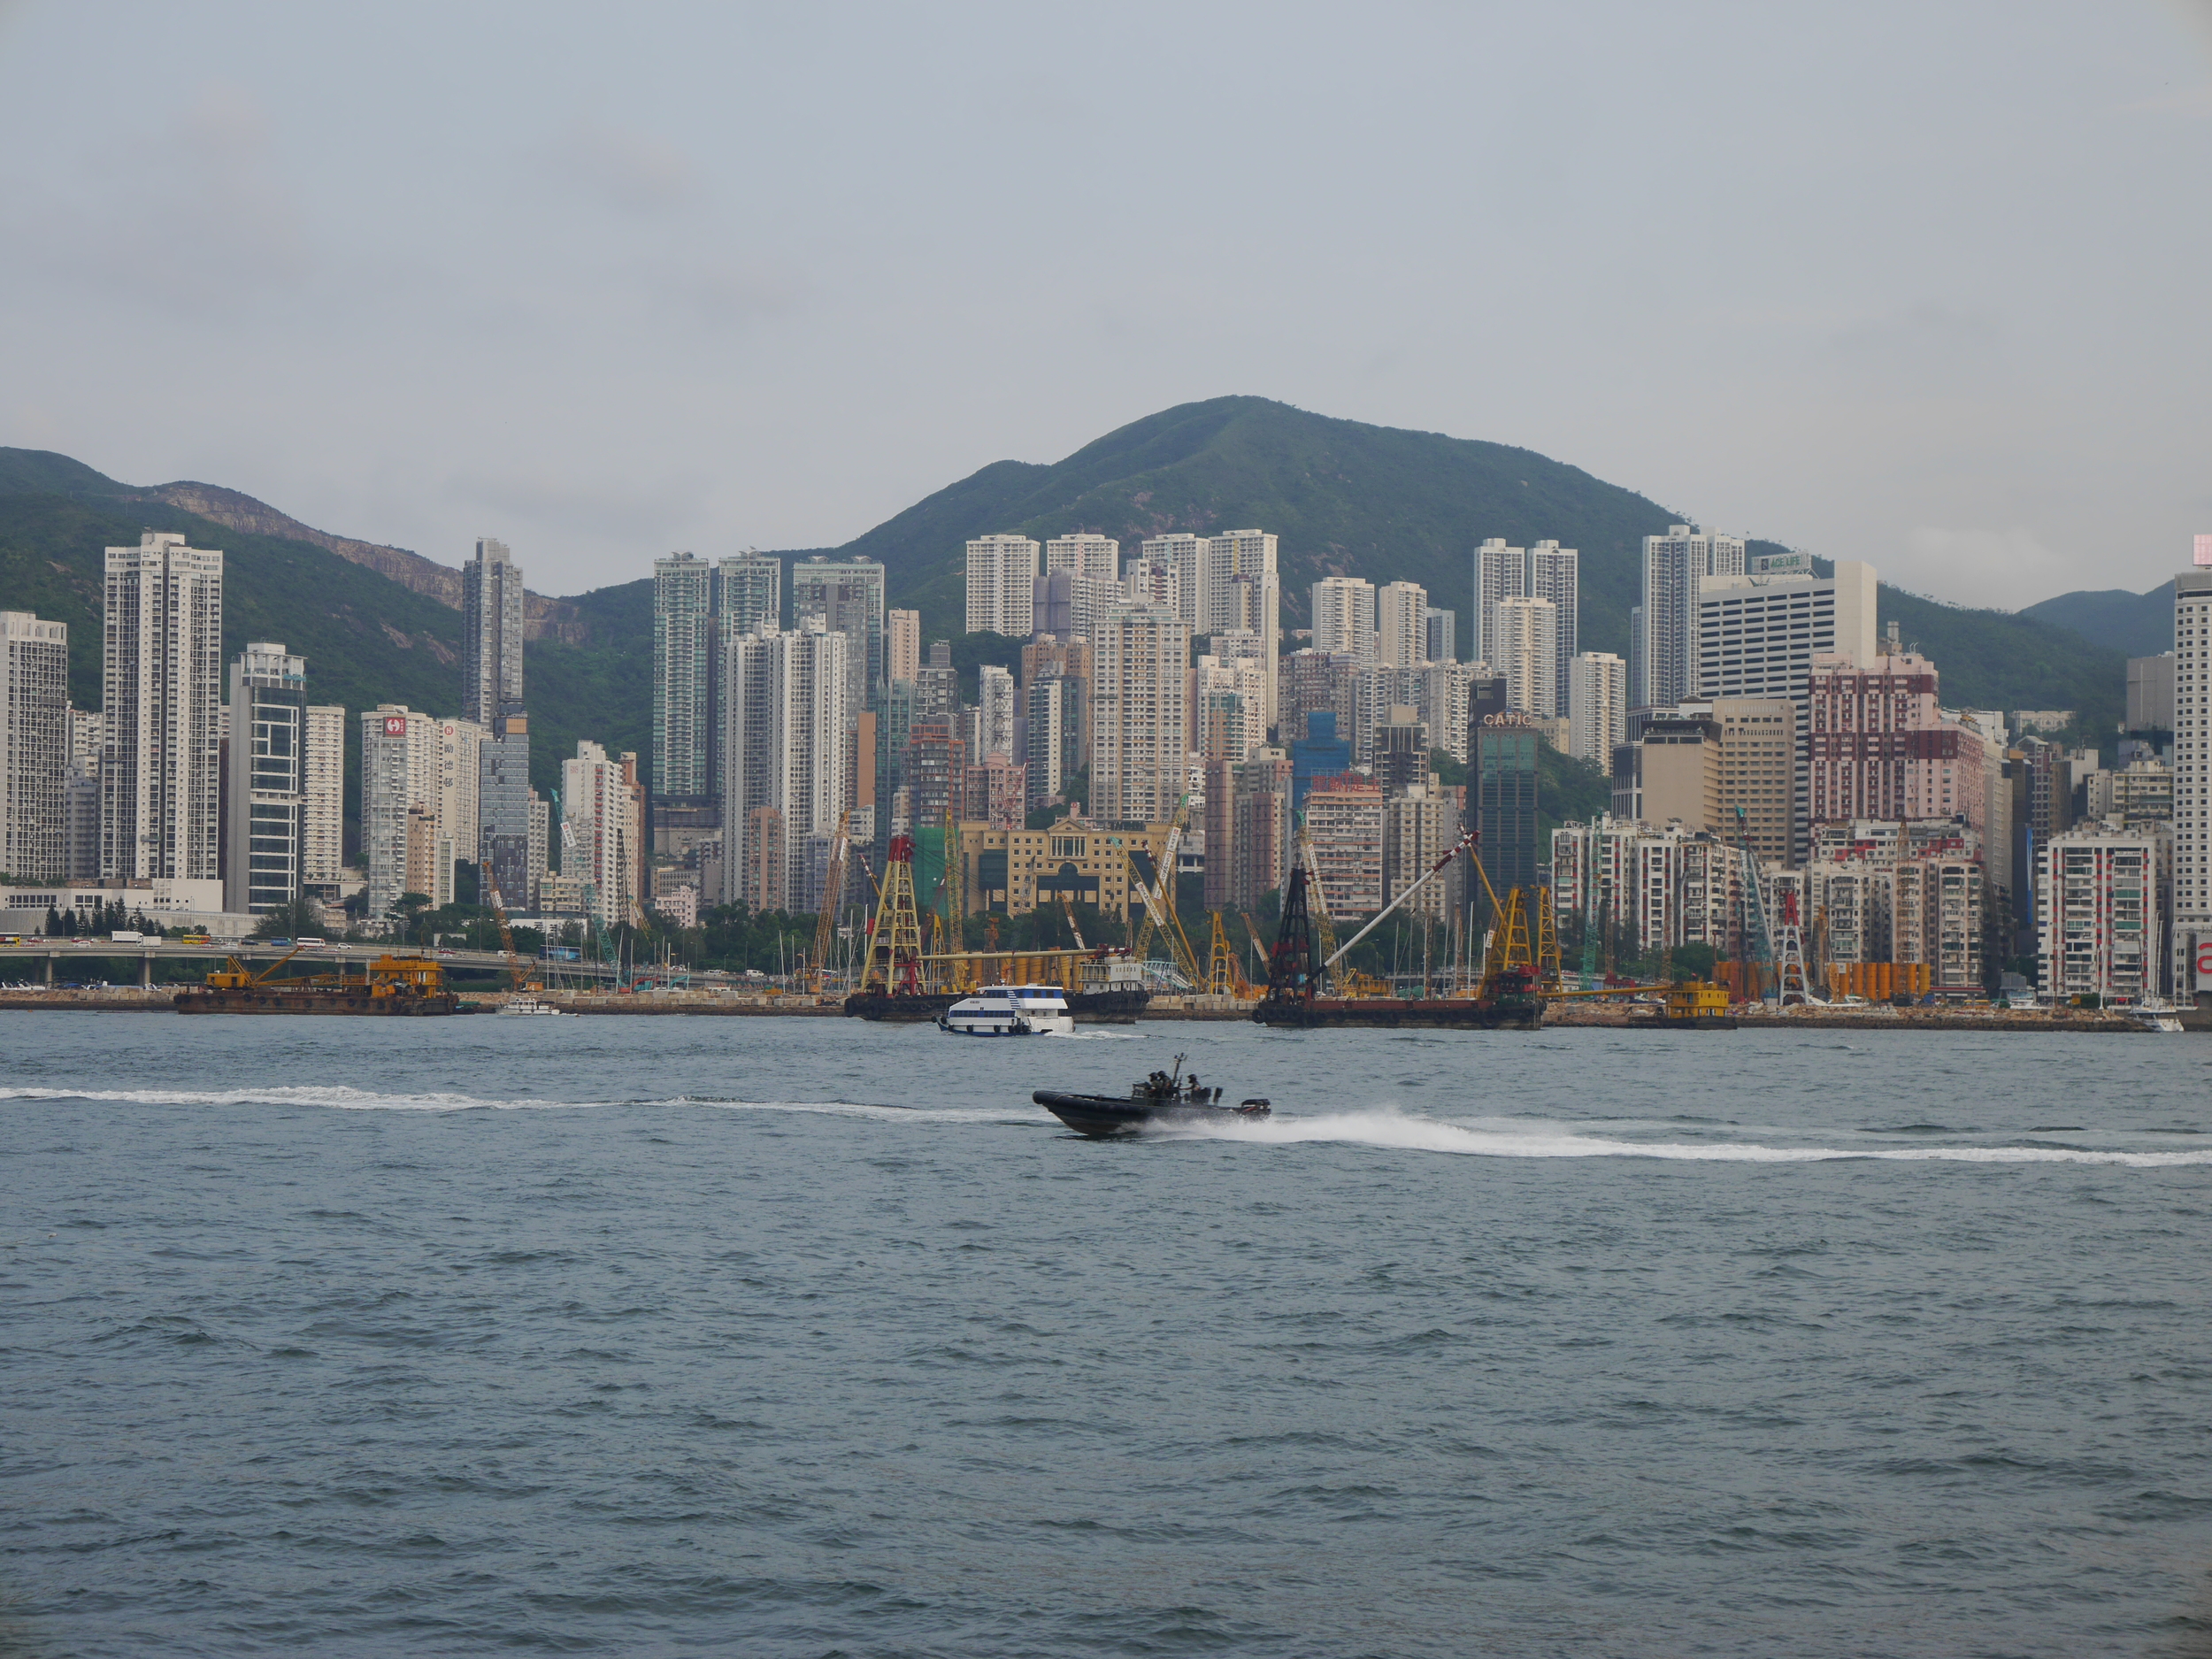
(1165, 1099)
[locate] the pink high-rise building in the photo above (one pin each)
(1880, 747)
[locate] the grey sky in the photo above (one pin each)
(1924, 284)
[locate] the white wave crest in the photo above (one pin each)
(1400, 1133)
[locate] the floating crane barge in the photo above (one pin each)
(410, 986)
(1507, 1001)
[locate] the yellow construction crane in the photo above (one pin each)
(1546, 942)
(1224, 975)
(833, 902)
(894, 943)
(515, 974)
(1159, 901)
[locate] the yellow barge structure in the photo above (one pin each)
(405, 986)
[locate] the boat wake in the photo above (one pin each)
(1401, 1132)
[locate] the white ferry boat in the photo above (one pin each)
(528, 1005)
(1010, 1011)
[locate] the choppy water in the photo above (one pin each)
(806, 1338)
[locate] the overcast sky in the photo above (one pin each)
(1924, 284)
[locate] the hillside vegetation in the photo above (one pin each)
(2134, 624)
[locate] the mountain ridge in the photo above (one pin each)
(1343, 496)
(40, 472)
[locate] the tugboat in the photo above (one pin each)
(1010, 1011)
(1165, 1098)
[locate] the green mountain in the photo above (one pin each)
(2137, 625)
(1351, 499)
(1346, 499)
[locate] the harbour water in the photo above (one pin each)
(811, 1337)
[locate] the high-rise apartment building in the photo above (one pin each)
(1052, 606)
(1402, 625)
(1343, 610)
(1524, 647)
(1260, 846)
(1092, 563)
(511, 820)
(1597, 706)
(420, 779)
(81, 796)
(1759, 633)
(684, 640)
(492, 614)
(1443, 697)
(1179, 558)
(1500, 572)
(1344, 838)
(785, 720)
(2101, 910)
(903, 634)
(1502, 796)
(1880, 747)
(162, 673)
(1547, 571)
(1053, 747)
(33, 748)
(1441, 626)
(1554, 573)
(1225, 562)
(2193, 779)
(1674, 565)
(1309, 681)
(995, 713)
(1001, 573)
(602, 833)
(267, 782)
(399, 785)
(2150, 706)
(1759, 753)
(1681, 770)
(457, 805)
(1420, 824)
(747, 591)
(324, 861)
(1151, 580)
(848, 595)
(1141, 675)
(1225, 710)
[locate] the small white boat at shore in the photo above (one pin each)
(2155, 1013)
(1010, 1011)
(522, 1006)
